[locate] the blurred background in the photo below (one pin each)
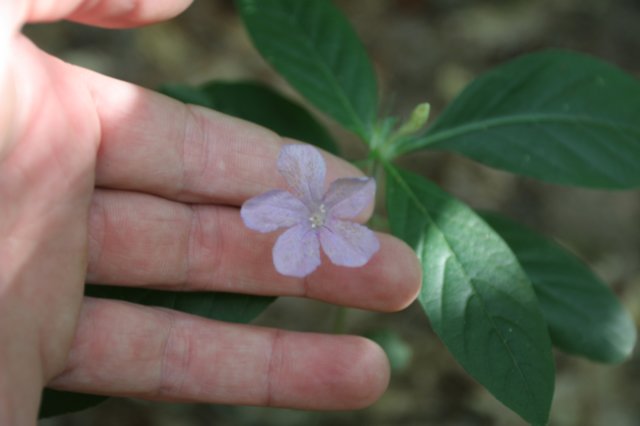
(423, 50)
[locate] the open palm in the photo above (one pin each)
(102, 180)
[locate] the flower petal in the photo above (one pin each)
(272, 210)
(348, 243)
(297, 251)
(304, 170)
(347, 197)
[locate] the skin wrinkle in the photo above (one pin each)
(196, 147)
(189, 122)
(73, 363)
(196, 162)
(100, 127)
(96, 234)
(194, 229)
(275, 366)
(181, 218)
(37, 109)
(269, 138)
(204, 142)
(173, 374)
(305, 287)
(219, 244)
(215, 239)
(61, 94)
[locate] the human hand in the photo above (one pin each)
(104, 181)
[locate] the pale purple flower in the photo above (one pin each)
(315, 218)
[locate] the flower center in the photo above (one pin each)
(318, 217)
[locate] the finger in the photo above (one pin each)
(122, 349)
(154, 144)
(105, 13)
(142, 240)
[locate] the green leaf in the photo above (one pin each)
(584, 316)
(259, 104)
(311, 44)
(397, 349)
(557, 116)
(477, 297)
(189, 94)
(220, 306)
(229, 307)
(56, 403)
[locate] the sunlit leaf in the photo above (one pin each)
(557, 116)
(476, 295)
(311, 44)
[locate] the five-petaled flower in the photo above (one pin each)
(314, 218)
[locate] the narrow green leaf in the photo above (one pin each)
(312, 45)
(557, 116)
(229, 307)
(56, 403)
(584, 316)
(259, 104)
(188, 94)
(477, 297)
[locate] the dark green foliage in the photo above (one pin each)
(557, 116)
(312, 45)
(479, 300)
(584, 316)
(259, 104)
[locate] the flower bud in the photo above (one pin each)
(416, 121)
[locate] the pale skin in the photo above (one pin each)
(103, 181)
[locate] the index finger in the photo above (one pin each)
(104, 13)
(154, 144)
